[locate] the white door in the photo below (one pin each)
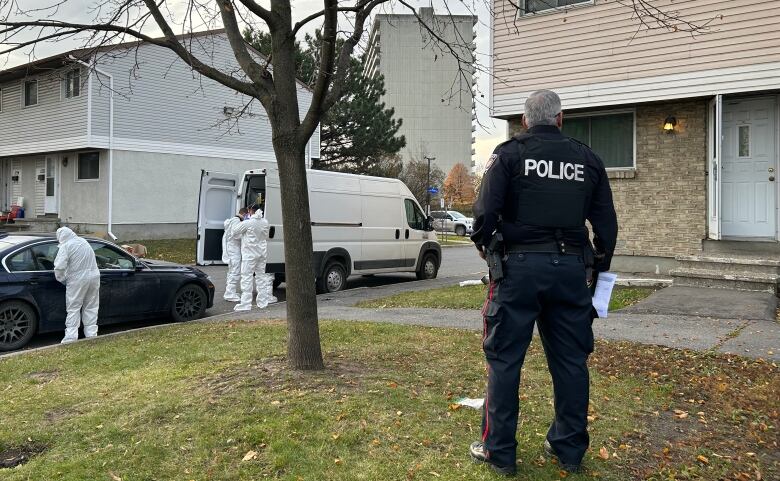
(50, 205)
(414, 233)
(217, 202)
(749, 166)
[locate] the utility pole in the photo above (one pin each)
(428, 187)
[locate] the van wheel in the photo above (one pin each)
(18, 323)
(333, 279)
(460, 230)
(429, 269)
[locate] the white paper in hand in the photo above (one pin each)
(603, 292)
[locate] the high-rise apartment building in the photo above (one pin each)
(429, 87)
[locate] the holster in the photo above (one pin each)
(494, 255)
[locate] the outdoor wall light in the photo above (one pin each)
(669, 124)
(64, 161)
(228, 110)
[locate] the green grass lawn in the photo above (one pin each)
(454, 240)
(181, 251)
(472, 297)
(215, 401)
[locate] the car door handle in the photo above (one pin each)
(407, 234)
(271, 232)
(398, 233)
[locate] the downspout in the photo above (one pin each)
(110, 139)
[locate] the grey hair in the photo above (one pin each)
(541, 107)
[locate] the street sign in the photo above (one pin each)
(433, 190)
(441, 202)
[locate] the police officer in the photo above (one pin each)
(538, 190)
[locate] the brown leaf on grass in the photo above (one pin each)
(562, 473)
(703, 459)
(392, 384)
(680, 414)
(603, 453)
(434, 473)
(250, 455)
(114, 477)
(455, 407)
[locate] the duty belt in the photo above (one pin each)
(548, 247)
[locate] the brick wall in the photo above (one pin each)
(662, 205)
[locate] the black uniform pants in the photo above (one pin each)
(549, 289)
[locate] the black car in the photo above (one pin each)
(32, 301)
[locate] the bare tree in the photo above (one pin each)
(271, 81)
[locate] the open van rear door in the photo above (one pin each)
(216, 203)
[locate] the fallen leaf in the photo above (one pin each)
(703, 459)
(114, 477)
(335, 436)
(250, 455)
(603, 453)
(392, 384)
(337, 460)
(434, 473)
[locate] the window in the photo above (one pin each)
(88, 167)
(37, 258)
(73, 83)
(30, 93)
(22, 262)
(110, 258)
(744, 140)
(414, 215)
(611, 136)
(536, 6)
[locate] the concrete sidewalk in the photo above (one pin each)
(702, 319)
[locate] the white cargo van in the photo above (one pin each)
(360, 224)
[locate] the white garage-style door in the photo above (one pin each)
(748, 185)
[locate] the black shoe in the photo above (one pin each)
(477, 452)
(550, 452)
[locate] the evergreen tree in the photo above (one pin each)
(358, 134)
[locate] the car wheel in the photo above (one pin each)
(189, 303)
(18, 324)
(460, 230)
(278, 279)
(428, 268)
(333, 279)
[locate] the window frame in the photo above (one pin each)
(67, 83)
(521, 12)
(601, 113)
(78, 166)
(418, 210)
(24, 93)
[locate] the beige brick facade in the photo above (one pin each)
(662, 205)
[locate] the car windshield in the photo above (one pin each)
(457, 215)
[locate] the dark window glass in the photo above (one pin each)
(610, 136)
(110, 258)
(30, 93)
(45, 254)
(414, 216)
(73, 83)
(22, 261)
(533, 6)
(89, 166)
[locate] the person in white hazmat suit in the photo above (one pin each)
(76, 267)
(254, 252)
(231, 255)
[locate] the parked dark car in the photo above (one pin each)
(32, 301)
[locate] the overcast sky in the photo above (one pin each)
(489, 131)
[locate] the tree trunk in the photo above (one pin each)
(303, 342)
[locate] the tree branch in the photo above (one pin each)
(269, 17)
(261, 76)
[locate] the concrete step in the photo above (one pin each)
(743, 281)
(767, 249)
(731, 264)
(39, 224)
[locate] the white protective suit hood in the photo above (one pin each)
(75, 259)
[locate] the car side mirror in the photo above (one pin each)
(429, 223)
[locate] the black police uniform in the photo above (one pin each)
(544, 186)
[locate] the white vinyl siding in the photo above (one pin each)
(600, 54)
(167, 103)
(52, 122)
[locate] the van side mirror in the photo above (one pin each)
(429, 223)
